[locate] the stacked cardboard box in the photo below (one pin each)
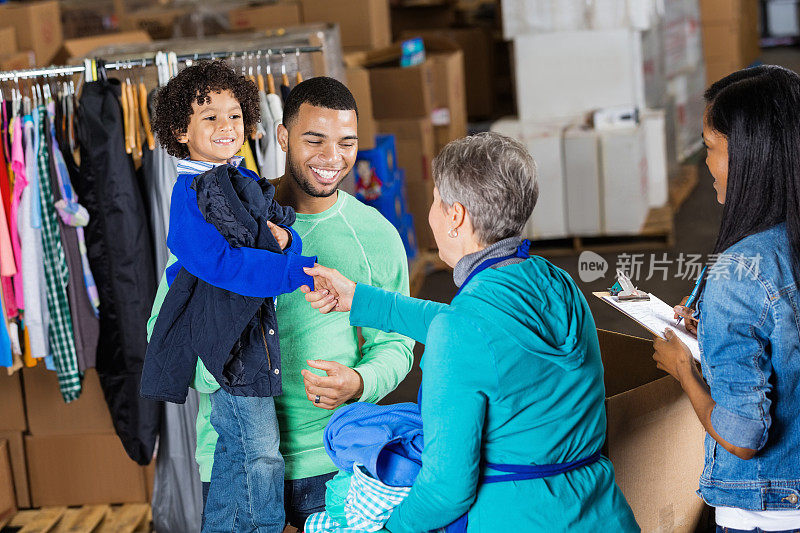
(74, 457)
(730, 36)
(37, 25)
(424, 107)
(12, 427)
(266, 16)
(8, 502)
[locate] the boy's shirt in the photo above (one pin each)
(356, 240)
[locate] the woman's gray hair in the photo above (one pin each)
(494, 178)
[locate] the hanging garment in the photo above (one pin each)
(85, 324)
(121, 256)
(6, 359)
(276, 112)
(8, 266)
(56, 273)
(160, 175)
(177, 491)
(37, 316)
(20, 182)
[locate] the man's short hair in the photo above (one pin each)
(321, 91)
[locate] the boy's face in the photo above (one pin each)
(321, 147)
(216, 129)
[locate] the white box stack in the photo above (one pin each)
(572, 58)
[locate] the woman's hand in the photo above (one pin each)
(341, 288)
(280, 234)
(689, 322)
(672, 355)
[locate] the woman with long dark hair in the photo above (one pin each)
(748, 314)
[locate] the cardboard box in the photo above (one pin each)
(49, 415)
(555, 71)
(74, 49)
(624, 163)
(8, 503)
(583, 181)
(654, 438)
(449, 115)
(12, 408)
(731, 34)
(362, 23)
(18, 61)
(429, 17)
(716, 69)
(267, 16)
(159, 23)
(8, 41)
(402, 92)
(415, 144)
(655, 137)
(19, 468)
(358, 83)
(478, 49)
(82, 469)
(37, 25)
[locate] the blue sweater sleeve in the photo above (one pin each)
(390, 311)
(205, 253)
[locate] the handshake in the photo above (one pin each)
(332, 291)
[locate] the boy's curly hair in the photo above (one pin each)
(173, 102)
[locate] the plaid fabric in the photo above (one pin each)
(62, 343)
(368, 505)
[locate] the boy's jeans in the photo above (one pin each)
(246, 493)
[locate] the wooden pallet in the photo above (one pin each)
(126, 518)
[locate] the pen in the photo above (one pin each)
(693, 295)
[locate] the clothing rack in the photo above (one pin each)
(149, 61)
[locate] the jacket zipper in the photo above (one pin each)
(264, 337)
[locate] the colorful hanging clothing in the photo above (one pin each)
(56, 277)
(20, 182)
(37, 315)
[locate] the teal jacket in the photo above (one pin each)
(512, 375)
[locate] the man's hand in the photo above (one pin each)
(341, 383)
(280, 234)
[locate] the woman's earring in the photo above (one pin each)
(453, 233)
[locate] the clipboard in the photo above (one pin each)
(654, 315)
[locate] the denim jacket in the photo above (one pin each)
(749, 334)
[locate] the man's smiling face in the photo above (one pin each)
(322, 148)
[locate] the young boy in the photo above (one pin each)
(227, 234)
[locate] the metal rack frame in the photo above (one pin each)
(55, 71)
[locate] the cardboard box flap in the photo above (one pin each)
(81, 47)
(627, 361)
(390, 55)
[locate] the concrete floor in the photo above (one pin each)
(696, 225)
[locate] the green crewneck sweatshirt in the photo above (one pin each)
(356, 240)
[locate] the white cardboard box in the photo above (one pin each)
(541, 16)
(686, 92)
(561, 75)
(583, 181)
(624, 164)
(655, 135)
(543, 141)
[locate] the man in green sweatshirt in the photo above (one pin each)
(322, 364)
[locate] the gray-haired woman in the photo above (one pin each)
(512, 406)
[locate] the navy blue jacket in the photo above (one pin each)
(234, 335)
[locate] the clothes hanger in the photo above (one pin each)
(284, 77)
(126, 118)
(134, 115)
(270, 78)
(299, 75)
(259, 76)
(144, 113)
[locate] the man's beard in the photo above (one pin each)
(296, 173)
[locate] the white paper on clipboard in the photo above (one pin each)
(655, 316)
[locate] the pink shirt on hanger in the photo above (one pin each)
(20, 182)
